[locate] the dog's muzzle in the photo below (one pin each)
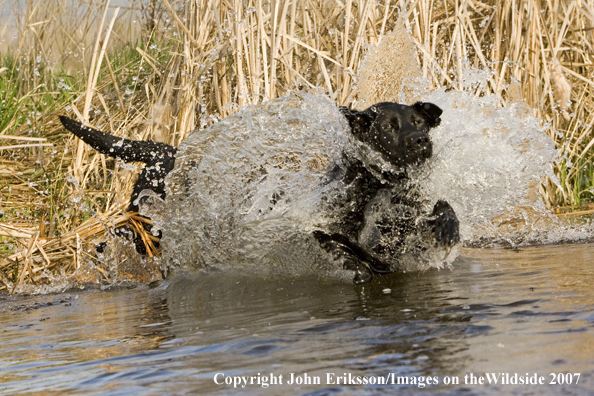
(418, 145)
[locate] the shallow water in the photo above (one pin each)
(497, 311)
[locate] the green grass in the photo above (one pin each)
(23, 102)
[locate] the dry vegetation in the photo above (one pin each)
(159, 69)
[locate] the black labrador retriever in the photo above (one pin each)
(398, 132)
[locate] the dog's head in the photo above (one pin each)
(399, 132)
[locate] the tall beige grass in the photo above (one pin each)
(213, 57)
(244, 52)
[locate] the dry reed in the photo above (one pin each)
(205, 59)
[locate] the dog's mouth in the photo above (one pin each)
(415, 155)
(413, 161)
(419, 156)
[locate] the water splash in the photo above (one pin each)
(250, 190)
(489, 162)
(238, 194)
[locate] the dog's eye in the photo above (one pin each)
(392, 126)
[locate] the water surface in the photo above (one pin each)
(496, 311)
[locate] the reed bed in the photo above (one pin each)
(160, 69)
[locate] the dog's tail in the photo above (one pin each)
(126, 150)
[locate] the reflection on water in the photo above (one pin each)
(497, 311)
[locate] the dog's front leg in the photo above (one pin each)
(445, 225)
(343, 250)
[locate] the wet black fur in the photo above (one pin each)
(158, 157)
(398, 132)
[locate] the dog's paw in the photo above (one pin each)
(342, 253)
(446, 226)
(362, 272)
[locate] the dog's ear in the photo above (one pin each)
(429, 112)
(359, 121)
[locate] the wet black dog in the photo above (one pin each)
(398, 132)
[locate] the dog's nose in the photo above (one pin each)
(419, 141)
